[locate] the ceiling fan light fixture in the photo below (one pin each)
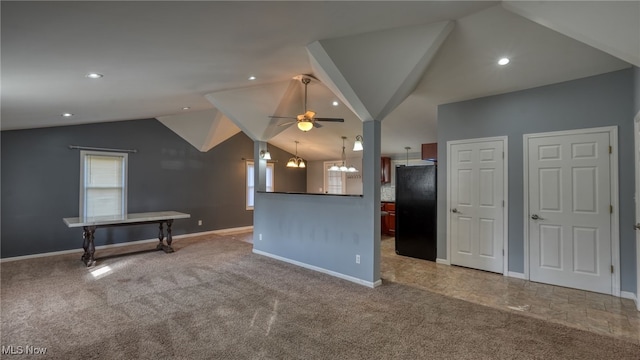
(305, 125)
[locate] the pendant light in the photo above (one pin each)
(296, 162)
(407, 148)
(343, 166)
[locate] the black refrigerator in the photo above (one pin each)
(416, 211)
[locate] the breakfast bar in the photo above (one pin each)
(89, 226)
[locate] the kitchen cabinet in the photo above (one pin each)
(383, 220)
(389, 221)
(385, 170)
(430, 152)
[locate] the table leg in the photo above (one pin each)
(89, 258)
(160, 238)
(169, 238)
(85, 243)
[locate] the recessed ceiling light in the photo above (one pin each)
(503, 61)
(334, 103)
(94, 75)
(252, 77)
(186, 108)
(66, 115)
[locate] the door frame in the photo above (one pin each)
(505, 195)
(613, 176)
(636, 141)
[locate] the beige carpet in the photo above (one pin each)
(214, 299)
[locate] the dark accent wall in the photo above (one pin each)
(41, 178)
(636, 86)
(603, 100)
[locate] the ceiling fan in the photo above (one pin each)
(307, 120)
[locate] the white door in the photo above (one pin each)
(569, 210)
(476, 185)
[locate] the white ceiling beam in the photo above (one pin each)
(609, 26)
(249, 108)
(202, 129)
(374, 72)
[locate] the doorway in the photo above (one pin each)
(477, 203)
(570, 189)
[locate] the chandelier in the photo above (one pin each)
(296, 162)
(343, 167)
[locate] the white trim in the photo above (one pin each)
(319, 269)
(505, 195)
(443, 261)
(516, 275)
(228, 231)
(613, 173)
(632, 296)
(636, 148)
(84, 154)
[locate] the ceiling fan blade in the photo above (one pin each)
(287, 123)
(317, 125)
(282, 117)
(329, 119)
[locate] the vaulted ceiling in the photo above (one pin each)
(385, 60)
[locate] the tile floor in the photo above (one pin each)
(585, 310)
(580, 309)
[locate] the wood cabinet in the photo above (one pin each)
(383, 220)
(385, 170)
(430, 152)
(389, 222)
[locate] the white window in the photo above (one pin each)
(334, 181)
(103, 184)
(251, 185)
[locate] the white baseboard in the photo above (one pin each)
(442, 261)
(632, 296)
(228, 231)
(319, 269)
(516, 275)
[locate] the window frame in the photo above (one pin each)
(84, 156)
(250, 185)
(343, 178)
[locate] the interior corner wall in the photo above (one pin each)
(41, 177)
(636, 87)
(602, 100)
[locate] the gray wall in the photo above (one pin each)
(40, 183)
(636, 73)
(315, 176)
(327, 231)
(318, 230)
(602, 100)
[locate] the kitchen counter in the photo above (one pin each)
(306, 193)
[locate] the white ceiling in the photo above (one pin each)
(158, 57)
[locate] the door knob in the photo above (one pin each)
(637, 226)
(454, 210)
(536, 217)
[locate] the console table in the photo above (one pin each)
(89, 226)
